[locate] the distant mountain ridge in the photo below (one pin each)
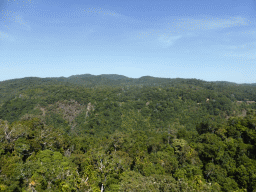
(108, 76)
(10, 88)
(111, 77)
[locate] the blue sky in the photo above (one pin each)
(212, 40)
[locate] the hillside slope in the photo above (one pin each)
(148, 134)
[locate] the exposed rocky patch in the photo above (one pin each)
(69, 109)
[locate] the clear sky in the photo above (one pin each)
(212, 40)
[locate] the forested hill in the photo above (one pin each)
(12, 87)
(114, 133)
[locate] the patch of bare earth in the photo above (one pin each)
(89, 108)
(243, 114)
(69, 109)
(43, 110)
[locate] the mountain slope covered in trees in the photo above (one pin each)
(114, 133)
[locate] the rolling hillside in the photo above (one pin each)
(147, 134)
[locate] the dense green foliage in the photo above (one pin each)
(113, 133)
